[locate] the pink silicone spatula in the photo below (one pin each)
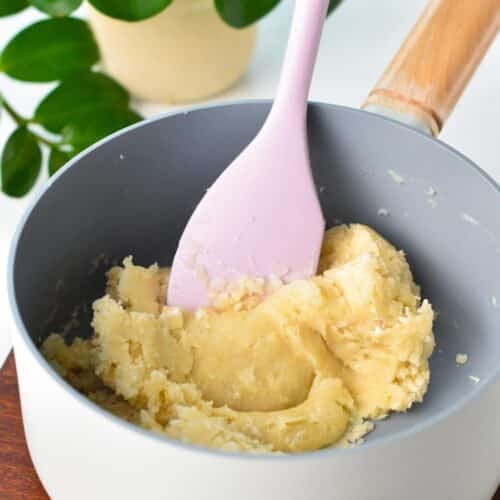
(261, 217)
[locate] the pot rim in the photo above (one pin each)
(327, 453)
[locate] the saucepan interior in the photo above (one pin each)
(133, 194)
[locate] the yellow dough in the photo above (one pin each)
(268, 368)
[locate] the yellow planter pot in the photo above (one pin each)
(184, 53)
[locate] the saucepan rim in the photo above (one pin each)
(147, 434)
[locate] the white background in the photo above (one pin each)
(358, 41)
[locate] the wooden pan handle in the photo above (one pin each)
(427, 76)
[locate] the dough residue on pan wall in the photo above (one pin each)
(286, 368)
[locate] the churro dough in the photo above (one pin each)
(270, 367)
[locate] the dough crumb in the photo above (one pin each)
(461, 358)
(471, 220)
(396, 177)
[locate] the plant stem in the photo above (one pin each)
(21, 121)
(39, 138)
(15, 116)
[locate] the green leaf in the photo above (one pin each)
(333, 5)
(57, 159)
(8, 7)
(242, 13)
(88, 128)
(130, 10)
(50, 50)
(56, 8)
(77, 96)
(21, 161)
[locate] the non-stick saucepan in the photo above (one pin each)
(132, 194)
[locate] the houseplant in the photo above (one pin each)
(87, 104)
(84, 106)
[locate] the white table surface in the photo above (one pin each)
(358, 42)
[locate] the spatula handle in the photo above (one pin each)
(427, 76)
(298, 66)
